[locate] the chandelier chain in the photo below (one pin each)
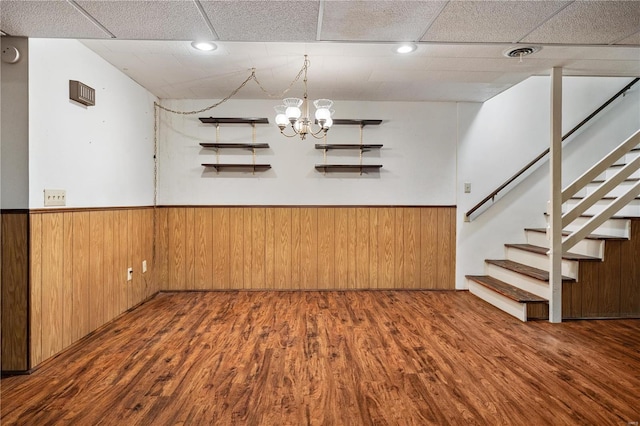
(253, 77)
(302, 71)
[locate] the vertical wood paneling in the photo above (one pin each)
(15, 290)
(295, 248)
(411, 248)
(630, 273)
(341, 220)
(52, 283)
(177, 248)
(443, 257)
(326, 251)
(80, 280)
(258, 248)
(111, 302)
(399, 244)
(35, 287)
(429, 248)
(589, 278)
(609, 290)
(96, 269)
(352, 247)
(161, 268)
(221, 259)
(283, 248)
(386, 247)
(309, 248)
(120, 272)
(374, 250)
(362, 248)
(269, 249)
(236, 278)
(190, 249)
(204, 275)
(248, 246)
(67, 281)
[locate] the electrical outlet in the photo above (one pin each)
(467, 187)
(144, 266)
(129, 274)
(55, 197)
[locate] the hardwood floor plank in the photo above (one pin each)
(362, 357)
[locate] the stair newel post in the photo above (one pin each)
(555, 213)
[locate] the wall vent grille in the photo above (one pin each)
(82, 93)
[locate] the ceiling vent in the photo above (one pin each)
(520, 52)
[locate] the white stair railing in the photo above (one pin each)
(604, 189)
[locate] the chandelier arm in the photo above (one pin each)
(317, 133)
(289, 136)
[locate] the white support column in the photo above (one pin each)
(555, 213)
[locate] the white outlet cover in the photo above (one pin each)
(129, 274)
(55, 197)
(144, 266)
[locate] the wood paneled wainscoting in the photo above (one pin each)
(77, 276)
(15, 289)
(306, 248)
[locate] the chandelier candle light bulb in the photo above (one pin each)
(295, 111)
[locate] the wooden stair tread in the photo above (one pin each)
(529, 271)
(588, 237)
(587, 216)
(543, 250)
(507, 290)
(626, 180)
(603, 198)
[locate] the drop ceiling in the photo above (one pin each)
(349, 43)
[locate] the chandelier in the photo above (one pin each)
(295, 113)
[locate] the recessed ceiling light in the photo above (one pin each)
(205, 46)
(405, 48)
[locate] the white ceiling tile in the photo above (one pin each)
(377, 20)
(490, 21)
(25, 18)
(589, 22)
(150, 20)
(263, 20)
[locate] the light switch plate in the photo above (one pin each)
(55, 197)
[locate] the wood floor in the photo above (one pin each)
(334, 358)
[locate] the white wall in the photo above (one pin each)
(15, 127)
(101, 155)
(418, 157)
(500, 136)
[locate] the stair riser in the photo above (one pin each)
(593, 248)
(569, 267)
(612, 227)
(615, 192)
(631, 209)
(518, 310)
(537, 287)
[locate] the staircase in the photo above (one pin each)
(601, 273)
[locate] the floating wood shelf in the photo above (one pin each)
(362, 168)
(362, 147)
(253, 167)
(220, 145)
(350, 122)
(234, 120)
